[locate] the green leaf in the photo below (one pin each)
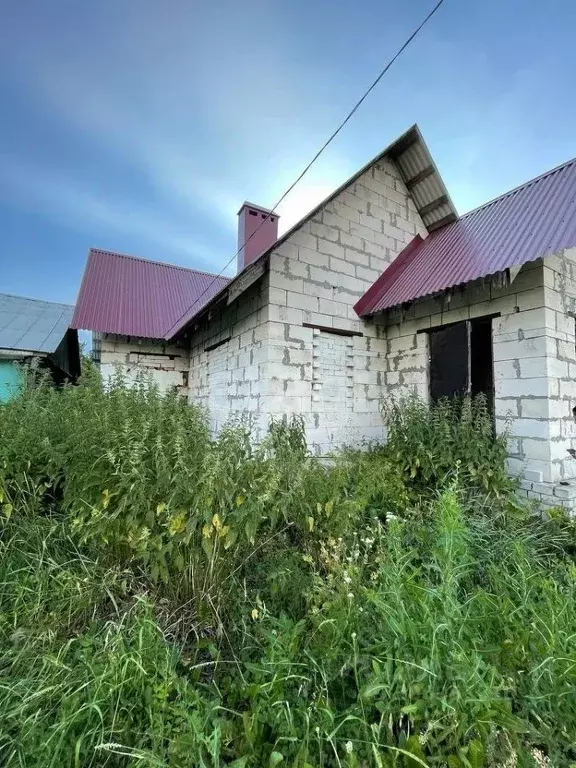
(241, 762)
(476, 754)
(414, 747)
(207, 547)
(275, 759)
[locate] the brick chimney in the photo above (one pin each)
(251, 218)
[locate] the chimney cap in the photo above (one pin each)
(259, 208)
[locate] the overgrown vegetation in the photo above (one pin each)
(172, 600)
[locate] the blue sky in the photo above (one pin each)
(140, 126)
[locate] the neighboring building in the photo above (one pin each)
(381, 290)
(35, 333)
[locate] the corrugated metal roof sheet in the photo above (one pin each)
(535, 220)
(135, 297)
(421, 177)
(31, 325)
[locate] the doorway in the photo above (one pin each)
(461, 360)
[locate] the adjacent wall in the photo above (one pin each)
(228, 360)
(166, 365)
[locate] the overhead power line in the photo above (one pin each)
(324, 146)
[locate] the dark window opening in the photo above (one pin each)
(461, 360)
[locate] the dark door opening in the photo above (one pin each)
(461, 360)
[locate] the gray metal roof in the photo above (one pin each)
(32, 325)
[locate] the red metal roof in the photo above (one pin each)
(535, 220)
(135, 297)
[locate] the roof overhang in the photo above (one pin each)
(422, 179)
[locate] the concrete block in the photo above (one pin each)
(565, 492)
(360, 230)
(301, 238)
(335, 308)
(302, 301)
(312, 256)
(352, 200)
(370, 275)
(335, 221)
(507, 369)
(540, 429)
(277, 296)
(533, 475)
(535, 407)
(331, 248)
(324, 232)
(320, 290)
(285, 315)
(282, 281)
(537, 387)
(351, 241)
(536, 449)
(317, 318)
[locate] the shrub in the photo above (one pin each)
(173, 599)
(430, 442)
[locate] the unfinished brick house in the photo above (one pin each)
(381, 289)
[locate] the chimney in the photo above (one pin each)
(252, 219)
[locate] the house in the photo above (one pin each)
(36, 333)
(382, 289)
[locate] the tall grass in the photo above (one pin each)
(167, 599)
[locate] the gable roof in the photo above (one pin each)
(136, 297)
(532, 221)
(419, 173)
(32, 325)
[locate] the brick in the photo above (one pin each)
(371, 275)
(342, 266)
(370, 222)
(534, 367)
(313, 257)
(541, 429)
(332, 249)
(354, 201)
(335, 308)
(537, 387)
(285, 315)
(357, 258)
(536, 449)
(351, 241)
(324, 232)
(360, 230)
(321, 290)
(303, 239)
(277, 296)
(336, 221)
(285, 282)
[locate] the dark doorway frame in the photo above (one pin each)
(461, 359)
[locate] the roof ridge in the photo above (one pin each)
(40, 301)
(518, 188)
(158, 263)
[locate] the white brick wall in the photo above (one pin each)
(231, 379)
(164, 364)
(316, 277)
